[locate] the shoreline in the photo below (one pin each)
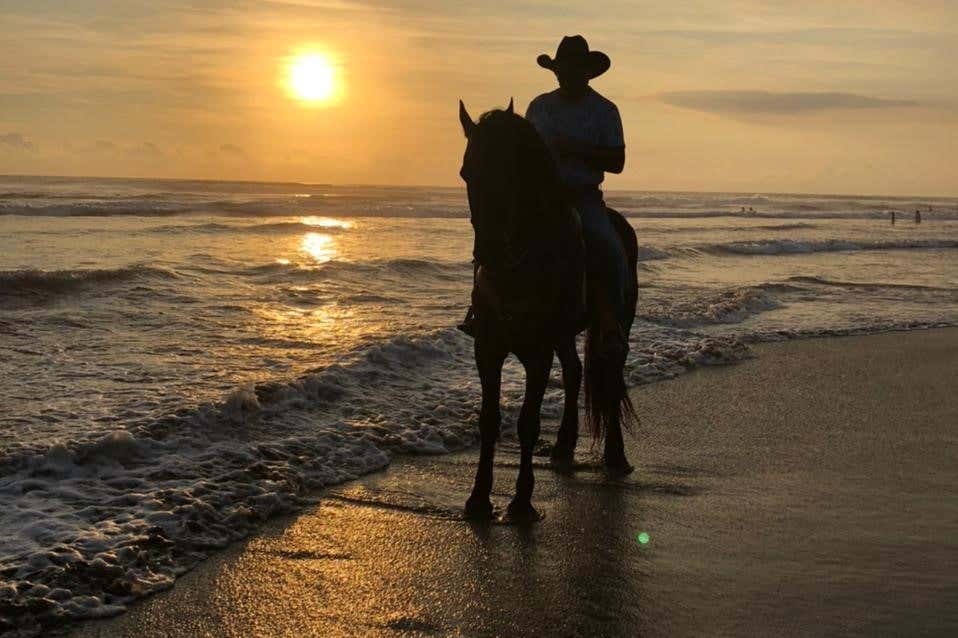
(355, 562)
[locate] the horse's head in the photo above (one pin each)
(506, 167)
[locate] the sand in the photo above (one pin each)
(811, 490)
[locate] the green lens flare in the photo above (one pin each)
(643, 538)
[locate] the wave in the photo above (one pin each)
(947, 215)
(878, 327)
(724, 307)
(648, 253)
(782, 203)
(93, 209)
(276, 272)
(821, 281)
(292, 227)
(686, 229)
(793, 247)
(283, 206)
(32, 282)
(736, 305)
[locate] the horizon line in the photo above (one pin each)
(462, 187)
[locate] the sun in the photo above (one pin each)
(312, 78)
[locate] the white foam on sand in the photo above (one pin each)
(730, 306)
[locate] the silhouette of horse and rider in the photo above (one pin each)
(551, 261)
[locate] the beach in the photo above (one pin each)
(809, 490)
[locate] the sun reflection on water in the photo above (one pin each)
(320, 247)
(326, 222)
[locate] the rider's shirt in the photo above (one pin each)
(592, 119)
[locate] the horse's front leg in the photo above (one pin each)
(537, 364)
(489, 359)
(564, 449)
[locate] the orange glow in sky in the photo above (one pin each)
(843, 96)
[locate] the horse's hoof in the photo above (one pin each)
(478, 509)
(522, 512)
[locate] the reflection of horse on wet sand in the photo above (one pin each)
(528, 301)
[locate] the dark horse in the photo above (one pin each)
(530, 300)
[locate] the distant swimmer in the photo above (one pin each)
(917, 216)
(893, 218)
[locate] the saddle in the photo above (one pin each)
(547, 290)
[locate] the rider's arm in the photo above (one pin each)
(610, 159)
(606, 152)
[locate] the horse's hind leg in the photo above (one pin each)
(537, 365)
(614, 455)
(489, 360)
(564, 449)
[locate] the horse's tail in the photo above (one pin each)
(607, 401)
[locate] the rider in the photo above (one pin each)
(584, 132)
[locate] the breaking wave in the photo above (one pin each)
(730, 306)
(49, 282)
(348, 269)
(275, 227)
(160, 206)
(792, 247)
(821, 281)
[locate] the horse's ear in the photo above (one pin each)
(510, 110)
(468, 126)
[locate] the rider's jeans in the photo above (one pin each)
(604, 252)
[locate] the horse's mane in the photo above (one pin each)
(535, 159)
(542, 210)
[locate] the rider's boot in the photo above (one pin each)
(468, 324)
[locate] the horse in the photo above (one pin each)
(531, 299)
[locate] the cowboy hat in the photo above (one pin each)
(573, 53)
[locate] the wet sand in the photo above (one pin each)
(812, 490)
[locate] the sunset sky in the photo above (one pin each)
(841, 96)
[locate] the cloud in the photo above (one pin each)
(146, 150)
(16, 140)
(232, 149)
(333, 5)
(768, 103)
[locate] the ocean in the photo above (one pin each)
(182, 360)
